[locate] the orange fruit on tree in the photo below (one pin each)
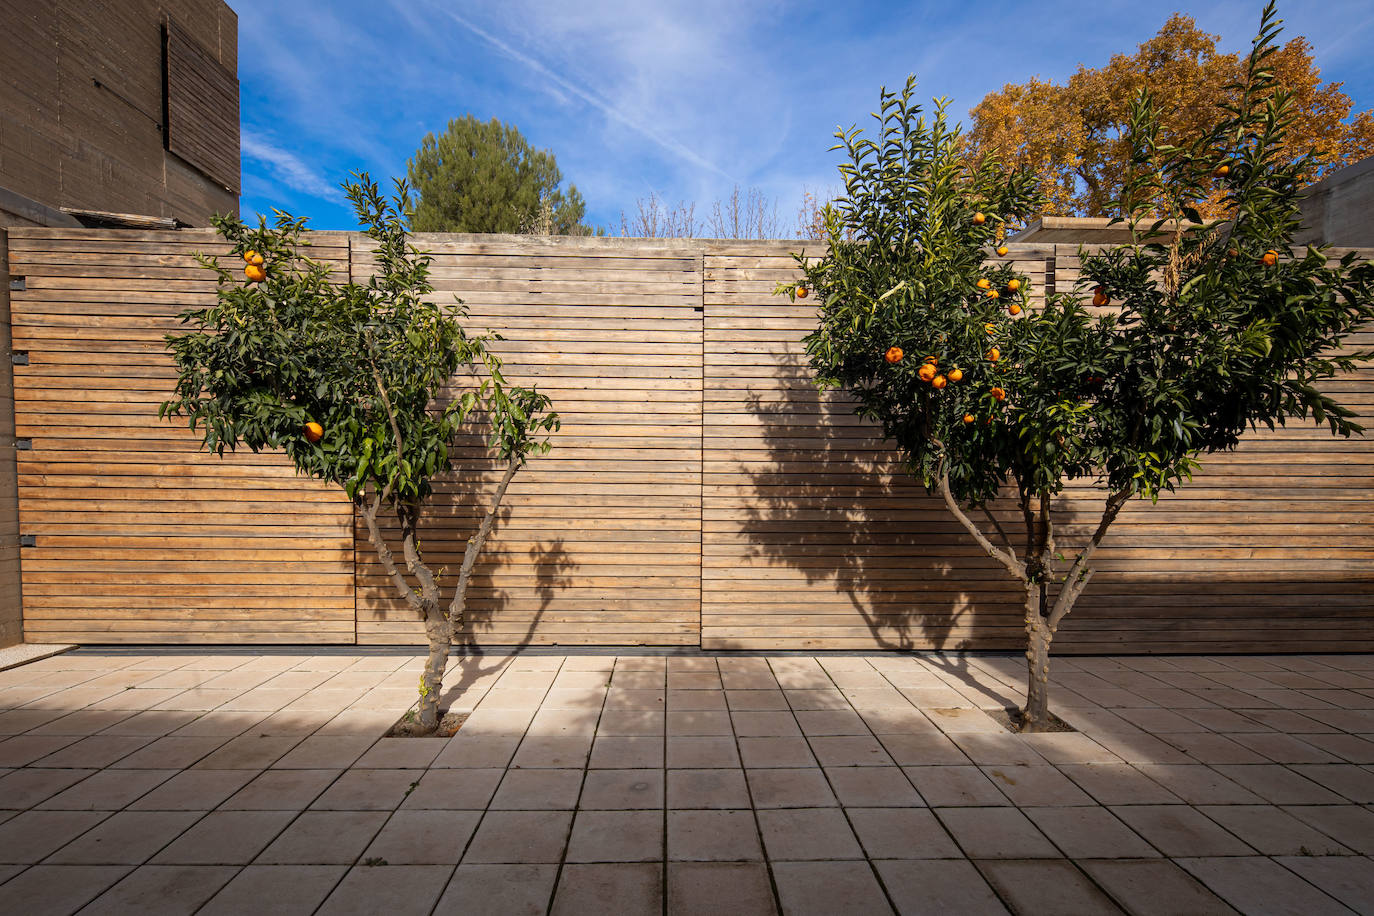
(255, 273)
(927, 372)
(990, 328)
(994, 354)
(1002, 250)
(249, 255)
(932, 360)
(979, 219)
(893, 355)
(939, 381)
(801, 292)
(1015, 309)
(956, 374)
(313, 432)
(993, 294)
(999, 394)
(969, 418)
(256, 259)
(1270, 258)
(1100, 297)
(984, 283)
(1221, 171)
(1013, 284)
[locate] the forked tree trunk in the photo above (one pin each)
(1034, 574)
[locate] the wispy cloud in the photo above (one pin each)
(559, 82)
(288, 168)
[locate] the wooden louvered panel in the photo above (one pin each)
(202, 108)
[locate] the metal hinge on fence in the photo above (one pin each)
(20, 357)
(28, 540)
(17, 285)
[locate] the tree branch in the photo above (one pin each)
(1079, 574)
(478, 540)
(1004, 557)
(374, 534)
(429, 589)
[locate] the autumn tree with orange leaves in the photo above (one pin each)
(1073, 136)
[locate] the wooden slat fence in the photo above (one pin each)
(701, 490)
(139, 536)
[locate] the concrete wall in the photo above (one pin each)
(81, 109)
(1339, 209)
(11, 607)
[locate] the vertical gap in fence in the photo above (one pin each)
(353, 511)
(701, 442)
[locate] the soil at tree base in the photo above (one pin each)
(1010, 719)
(408, 727)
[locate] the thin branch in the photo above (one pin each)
(1000, 530)
(390, 412)
(374, 534)
(1079, 574)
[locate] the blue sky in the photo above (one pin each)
(680, 99)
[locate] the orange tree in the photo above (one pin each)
(1212, 332)
(359, 384)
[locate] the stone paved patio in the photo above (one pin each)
(258, 783)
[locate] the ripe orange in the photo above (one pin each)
(984, 283)
(979, 219)
(939, 381)
(994, 354)
(255, 273)
(1270, 258)
(968, 418)
(926, 372)
(256, 259)
(999, 394)
(1013, 284)
(1100, 297)
(956, 374)
(1221, 171)
(1015, 309)
(313, 432)
(893, 355)
(1002, 250)
(993, 294)
(801, 292)
(249, 255)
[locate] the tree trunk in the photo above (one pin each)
(439, 634)
(1035, 715)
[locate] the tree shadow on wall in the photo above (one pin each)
(829, 499)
